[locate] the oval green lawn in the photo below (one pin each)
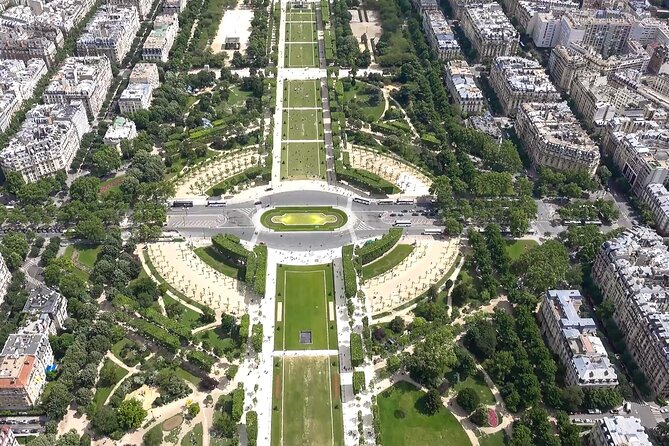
(322, 218)
(404, 421)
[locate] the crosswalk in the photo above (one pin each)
(362, 226)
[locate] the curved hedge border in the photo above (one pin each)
(266, 218)
(375, 249)
(365, 179)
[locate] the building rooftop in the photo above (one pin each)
(624, 431)
(109, 24)
(524, 74)
(43, 300)
(490, 22)
(78, 75)
(15, 371)
(23, 344)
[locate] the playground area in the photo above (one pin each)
(429, 261)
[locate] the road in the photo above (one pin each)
(368, 220)
(649, 417)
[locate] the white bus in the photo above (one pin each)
(361, 200)
(430, 231)
(402, 223)
(385, 202)
(406, 201)
(216, 203)
(182, 204)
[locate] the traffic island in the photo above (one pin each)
(323, 218)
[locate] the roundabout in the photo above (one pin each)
(304, 218)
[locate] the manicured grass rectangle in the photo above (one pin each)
(303, 294)
(404, 420)
(302, 93)
(302, 125)
(303, 160)
(306, 394)
(301, 16)
(301, 55)
(478, 384)
(301, 32)
(387, 262)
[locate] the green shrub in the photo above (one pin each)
(372, 251)
(228, 245)
(252, 427)
(168, 324)
(156, 334)
(226, 185)
(358, 382)
(244, 328)
(350, 284)
(261, 269)
(256, 337)
(238, 403)
(200, 359)
(364, 179)
(357, 353)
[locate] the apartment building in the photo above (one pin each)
(631, 271)
(143, 7)
(18, 80)
(514, 7)
(5, 278)
(174, 6)
(440, 35)
(516, 80)
(122, 128)
(656, 197)
(84, 79)
(619, 431)
(7, 437)
(460, 6)
(110, 33)
(56, 14)
(145, 73)
(45, 301)
(425, 5)
(47, 141)
(25, 44)
(158, 44)
(489, 31)
(604, 30)
(566, 62)
(139, 92)
(553, 137)
(598, 101)
(642, 155)
(540, 18)
(574, 339)
(464, 91)
(24, 360)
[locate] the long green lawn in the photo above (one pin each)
(404, 420)
(301, 55)
(303, 295)
(479, 385)
(359, 95)
(307, 400)
(301, 16)
(305, 93)
(390, 260)
(301, 32)
(194, 437)
(496, 439)
(302, 125)
(303, 160)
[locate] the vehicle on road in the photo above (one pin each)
(362, 200)
(182, 204)
(402, 223)
(216, 203)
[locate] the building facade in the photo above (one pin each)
(489, 31)
(656, 197)
(84, 79)
(619, 431)
(574, 339)
(18, 80)
(631, 272)
(517, 80)
(110, 33)
(7, 437)
(47, 141)
(464, 91)
(158, 44)
(5, 278)
(440, 35)
(553, 137)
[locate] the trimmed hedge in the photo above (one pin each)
(250, 269)
(364, 179)
(350, 284)
(244, 327)
(373, 250)
(229, 246)
(252, 427)
(358, 382)
(156, 334)
(249, 174)
(259, 280)
(380, 127)
(238, 403)
(201, 360)
(357, 353)
(256, 337)
(168, 324)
